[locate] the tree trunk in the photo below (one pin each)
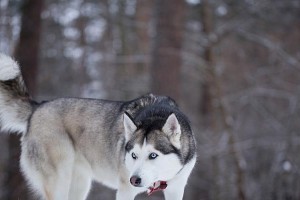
(27, 50)
(168, 42)
(81, 65)
(143, 18)
(216, 117)
(27, 53)
(207, 109)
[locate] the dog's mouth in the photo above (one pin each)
(157, 186)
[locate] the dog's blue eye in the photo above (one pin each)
(152, 156)
(134, 156)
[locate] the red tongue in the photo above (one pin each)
(157, 186)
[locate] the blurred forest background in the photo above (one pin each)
(232, 65)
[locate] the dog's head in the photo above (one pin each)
(154, 149)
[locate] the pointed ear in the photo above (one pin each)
(129, 126)
(172, 130)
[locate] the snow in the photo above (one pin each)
(221, 10)
(193, 2)
(287, 166)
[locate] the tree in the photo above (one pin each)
(217, 115)
(168, 42)
(27, 50)
(27, 54)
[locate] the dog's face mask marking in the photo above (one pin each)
(153, 157)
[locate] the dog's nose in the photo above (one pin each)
(135, 181)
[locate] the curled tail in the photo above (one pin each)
(15, 103)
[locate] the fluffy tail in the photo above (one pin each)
(15, 104)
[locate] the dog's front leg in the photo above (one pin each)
(174, 192)
(125, 192)
(125, 195)
(175, 189)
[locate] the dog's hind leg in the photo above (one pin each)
(51, 183)
(81, 180)
(57, 185)
(48, 167)
(57, 172)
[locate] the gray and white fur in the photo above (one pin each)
(67, 143)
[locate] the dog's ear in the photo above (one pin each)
(173, 130)
(129, 126)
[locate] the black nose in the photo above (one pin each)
(135, 181)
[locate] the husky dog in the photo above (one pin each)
(143, 145)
